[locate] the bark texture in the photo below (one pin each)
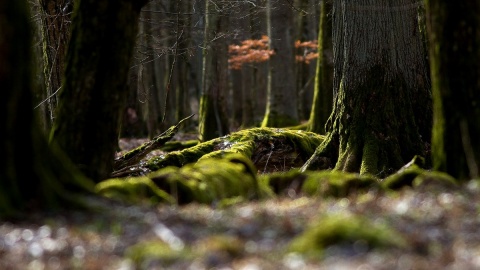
(55, 34)
(281, 108)
(454, 36)
(94, 92)
(381, 115)
(34, 175)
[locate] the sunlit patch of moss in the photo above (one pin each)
(345, 230)
(206, 181)
(241, 142)
(180, 158)
(133, 190)
(178, 145)
(336, 183)
(229, 245)
(414, 176)
(402, 178)
(216, 179)
(153, 252)
(434, 179)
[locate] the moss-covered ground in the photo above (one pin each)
(246, 205)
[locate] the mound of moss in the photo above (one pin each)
(231, 178)
(346, 230)
(294, 146)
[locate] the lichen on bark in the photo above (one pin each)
(382, 111)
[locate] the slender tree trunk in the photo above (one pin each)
(281, 108)
(183, 55)
(213, 116)
(323, 89)
(454, 34)
(56, 33)
(382, 113)
(33, 176)
(94, 92)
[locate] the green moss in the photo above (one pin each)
(229, 245)
(282, 181)
(133, 190)
(431, 179)
(336, 183)
(180, 158)
(402, 178)
(242, 142)
(178, 145)
(272, 119)
(146, 252)
(207, 181)
(343, 229)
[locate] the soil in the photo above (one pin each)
(439, 224)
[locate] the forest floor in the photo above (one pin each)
(439, 225)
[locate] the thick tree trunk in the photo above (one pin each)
(323, 89)
(281, 108)
(94, 92)
(454, 35)
(382, 113)
(213, 117)
(33, 176)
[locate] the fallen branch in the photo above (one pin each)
(137, 154)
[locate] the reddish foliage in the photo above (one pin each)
(256, 51)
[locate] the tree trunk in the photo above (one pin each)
(94, 92)
(281, 108)
(454, 36)
(213, 117)
(33, 176)
(56, 33)
(382, 113)
(323, 90)
(184, 36)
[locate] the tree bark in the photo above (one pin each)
(281, 108)
(382, 113)
(213, 117)
(34, 176)
(323, 89)
(94, 92)
(56, 33)
(454, 36)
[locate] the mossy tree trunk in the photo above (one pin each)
(55, 19)
(454, 36)
(34, 175)
(94, 92)
(213, 121)
(323, 89)
(282, 107)
(381, 116)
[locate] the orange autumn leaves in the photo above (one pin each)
(256, 51)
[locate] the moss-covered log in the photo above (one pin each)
(382, 111)
(270, 149)
(454, 34)
(207, 181)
